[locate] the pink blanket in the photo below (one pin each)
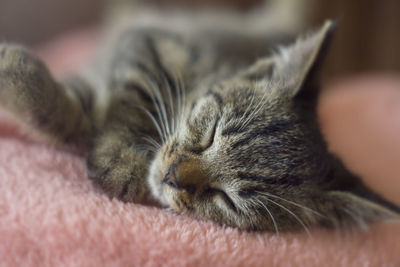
(50, 215)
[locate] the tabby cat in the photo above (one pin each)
(206, 121)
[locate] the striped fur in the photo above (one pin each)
(180, 117)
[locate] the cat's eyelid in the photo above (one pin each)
(227, 199)
(222, 194)
(208, 139)
(210, 135)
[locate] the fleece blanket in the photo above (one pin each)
(50, 214)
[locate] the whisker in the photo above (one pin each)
(179, 103)
(293, 214)
(170, 122)
(249, 107)
(153, 142)
(182, 96)
(291, 202)
(163, 111)
(270, 214)
(159, 105)
(179, 89)
(246, 211)
(164, 115)
(155, 122)
(256, 110)
(146, 147)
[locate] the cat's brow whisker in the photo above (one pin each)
(270, 214)
(256, 110)
(291, 213)
(291, 202)
(245, 115)
(248, 117)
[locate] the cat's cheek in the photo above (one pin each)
(172, 203)
(170, 198)
(155, 185)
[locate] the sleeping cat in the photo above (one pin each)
(206, 121)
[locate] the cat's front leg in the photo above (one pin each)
(28, 91)
(118, 158)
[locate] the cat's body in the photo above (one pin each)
(207, 121)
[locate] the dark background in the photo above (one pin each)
(367, 38)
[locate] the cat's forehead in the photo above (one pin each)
(241, 92)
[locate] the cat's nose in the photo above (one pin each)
(186, 174)
(170, 177)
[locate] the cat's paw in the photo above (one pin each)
(120, 173)
(13, 56)
(25, 83)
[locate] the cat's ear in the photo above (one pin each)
(346, 207)
(262, 69)
(297, 66)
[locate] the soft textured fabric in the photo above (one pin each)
(50, 215)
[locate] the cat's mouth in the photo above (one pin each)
(168, 189)
(166, 194)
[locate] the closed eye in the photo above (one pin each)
(209, 141)
(224, 196)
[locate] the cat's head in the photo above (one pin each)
(249, 153)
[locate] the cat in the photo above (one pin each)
(207, 122)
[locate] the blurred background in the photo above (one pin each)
(367, 38)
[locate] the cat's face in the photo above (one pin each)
(248, 152)
(237, 146)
